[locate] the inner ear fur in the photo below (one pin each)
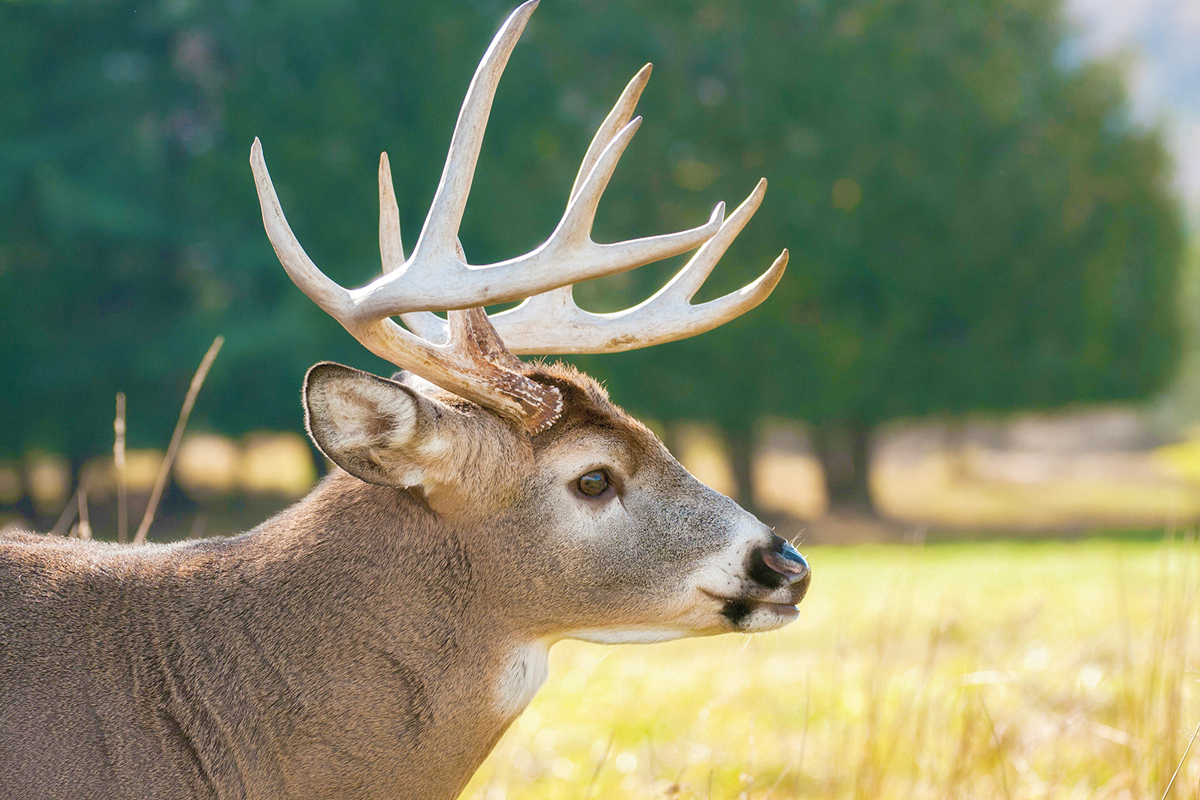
(372, 427)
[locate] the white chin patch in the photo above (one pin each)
(766, 617)
(628, 635)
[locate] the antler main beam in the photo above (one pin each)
(552, 323)
(465, 354)
(434, 276)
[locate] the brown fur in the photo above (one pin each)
(309, 658)
(353, 645)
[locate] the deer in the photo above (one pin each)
(375, 639)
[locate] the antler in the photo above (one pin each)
(464, 354)
(552, 323)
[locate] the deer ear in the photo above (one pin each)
(376, 429)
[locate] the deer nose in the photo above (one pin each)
(786, 560)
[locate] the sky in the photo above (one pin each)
(1159, 42)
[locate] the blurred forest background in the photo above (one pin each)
(986, 322)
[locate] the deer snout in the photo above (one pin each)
(778, 563)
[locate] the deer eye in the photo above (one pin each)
(594, 483)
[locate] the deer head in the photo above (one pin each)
(594, 530)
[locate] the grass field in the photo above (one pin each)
(982, 670)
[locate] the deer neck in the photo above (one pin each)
(410, 673)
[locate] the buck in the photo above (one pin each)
(377, 638)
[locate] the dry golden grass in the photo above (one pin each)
(993, 670)
(971, 487)
(947, 490)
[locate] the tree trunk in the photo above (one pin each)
(844, 449)
(739, 439)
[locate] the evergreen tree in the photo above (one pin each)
(974, 222)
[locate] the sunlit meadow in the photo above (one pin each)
(982, 670)
(976, 669)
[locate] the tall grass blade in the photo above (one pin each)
(1182, 759)
(587, 792)
(63, 525)
(85, 524)
(119, 467)
(176, 437)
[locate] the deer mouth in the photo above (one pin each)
(739, 610)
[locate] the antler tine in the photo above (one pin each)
(555, 324)
(450, 200)
(614, 122)
(391, 245)
(332, 298)
(432, 327)
(552, 323)
(435, 277)
(688, 280)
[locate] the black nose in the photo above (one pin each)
(796, 564)
(778, 563)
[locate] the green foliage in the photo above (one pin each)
(83, 213)
(1181, 406)
(972, 223)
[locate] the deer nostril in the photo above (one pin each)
(787, 561)
(793, 555)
